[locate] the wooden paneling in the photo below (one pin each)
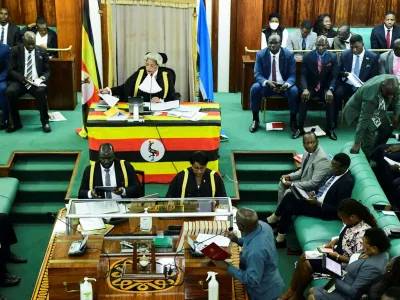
(287, 10)
(247, 33)
(341, 15)
(69, 30)
(233, 45)
(23, 12)
(305, 10)
(359, 13)
(270, 6)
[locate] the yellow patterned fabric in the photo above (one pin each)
(165, 3)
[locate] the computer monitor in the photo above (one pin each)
(132, 101)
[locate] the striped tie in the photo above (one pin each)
(318, 87)
(108, 183)
(29, 70)
(325, 186)
(2, 36)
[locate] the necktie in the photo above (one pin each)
(273, 69)
(108, 182)
(303, 167)
(325, 186)
(357, 66)
(388, 39)
(2, 36)
(319, 71)
(29, 70)
(303, 44)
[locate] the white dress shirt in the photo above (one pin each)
(5, 33)
(355, 58)
(279, 79)
(390, 32)
(41, 40)
(34, 71)
(322, 197)
(113, 182)
(347, 42)
(284, 41)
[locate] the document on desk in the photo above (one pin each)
(96, 207)
(391, 162)
(353, 80)
(164, 105)
(110, 100)
(92, 223)
(207, 239)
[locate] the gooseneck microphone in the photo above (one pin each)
(77, 248)
(151, 85)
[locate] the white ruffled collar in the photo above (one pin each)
(150, 85)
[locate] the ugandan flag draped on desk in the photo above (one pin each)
(91, 58)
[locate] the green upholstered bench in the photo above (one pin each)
(312, 232)
(8, 191)
(365, 32)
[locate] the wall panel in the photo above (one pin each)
(359, 13)
(270, 6)
(304, 11)
(287, 10)
(23, 12)
(340, 14)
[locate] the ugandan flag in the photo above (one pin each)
(91, 59)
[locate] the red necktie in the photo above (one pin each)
(273, 69)
(319, 71)
(388, 39)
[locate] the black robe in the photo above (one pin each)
(205, 190)
(127, 89)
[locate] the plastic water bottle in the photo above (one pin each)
(213, 286)
(86, 289)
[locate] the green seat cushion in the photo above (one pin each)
(50, 27)
(8, 191)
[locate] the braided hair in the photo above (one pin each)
(392, 277)
(350, 207)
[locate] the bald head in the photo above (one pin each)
(106, 155)
(246, 219)
(322, 44)
(29, 40)
(396, 47)
(343, 32)
(390, 87)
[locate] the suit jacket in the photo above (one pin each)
(310, 75)
(363, 104)
(132, 191)
(339, 44)
(359, 273)
(287, 66)
(378, 37)
(386, 61)
(340, 190)
(4, 55)
(296, 40)
(368, 69)
(16, 67)
(13, 35)
(127, 89)
(315, 173)
(51, 38)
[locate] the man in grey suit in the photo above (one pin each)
(315, 169)
(342, 40)
(303, 38)
(389, 62)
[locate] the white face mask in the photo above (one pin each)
(274, 26)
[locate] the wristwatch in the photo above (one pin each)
(337, 257)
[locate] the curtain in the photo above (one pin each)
(138, 29)
(170, 3)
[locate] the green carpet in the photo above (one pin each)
(33, 238)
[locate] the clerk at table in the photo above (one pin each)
(152, 82)
(110, 171)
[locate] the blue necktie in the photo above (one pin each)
(304, 44)
(357, 66)
(2, 36)
(325, 186)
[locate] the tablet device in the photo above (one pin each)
(105, 188)
(332, 266)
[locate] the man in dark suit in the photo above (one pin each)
(9, 33)
(4, 54)
(318, 79)
(110, 171)
(45, 37)
(358, 61)
(28, 71)
(8, 238)
(275, 74)
(321, 204)
(342, 40)
(383, 36)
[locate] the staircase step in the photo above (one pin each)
(261, 157)
(43, 186)
(35, 212)
(258, 207)
(42, 175)
(262, 197)
(33, 165)
(261, 176)
(264, 166)
(258, 186)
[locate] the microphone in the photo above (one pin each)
(151, 85)
(77, 248)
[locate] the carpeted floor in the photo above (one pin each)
(33, 238)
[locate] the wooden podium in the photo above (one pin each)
(67, 272)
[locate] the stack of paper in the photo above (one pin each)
(104, 231)
(353, 80)
(96, 207)
(164, 105)
(110, 100)
(318, 131)
(198, 116)
(56, 117)
(207, 239)
(115, 114)
(299, 158)
(274, 126)
(92, 223)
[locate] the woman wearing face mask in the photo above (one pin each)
(323, 26)
(356, 219)
(274, 28)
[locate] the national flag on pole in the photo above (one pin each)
(204, 58)
(91, 58)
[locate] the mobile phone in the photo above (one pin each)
(329, 285)
(325, 250)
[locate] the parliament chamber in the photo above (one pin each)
(198, 63)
